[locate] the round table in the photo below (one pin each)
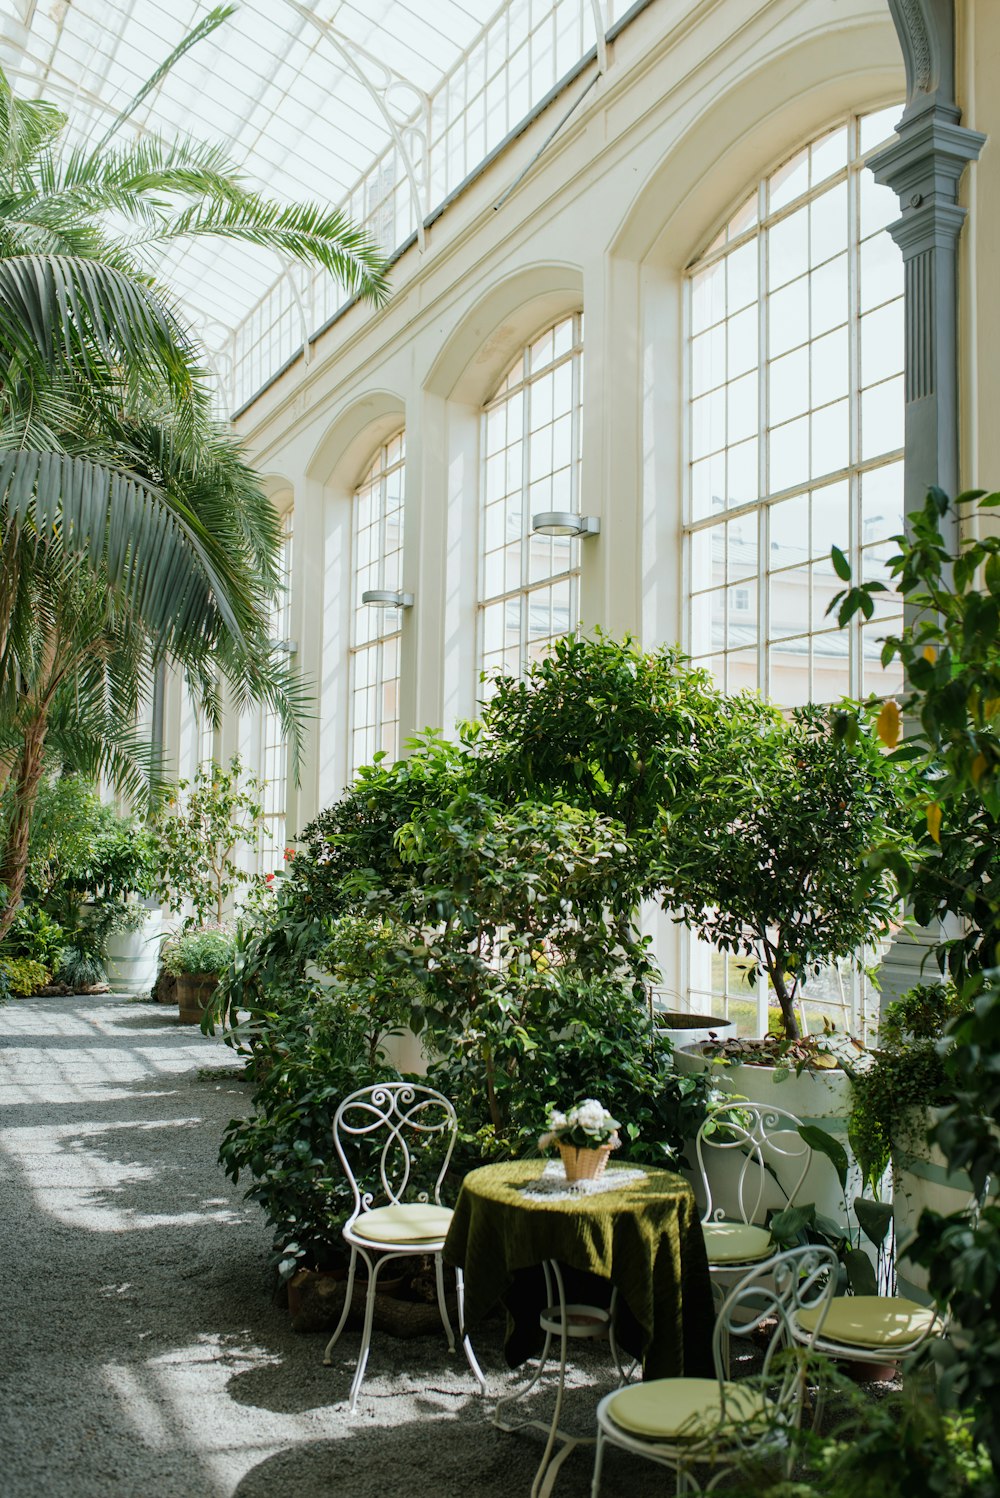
(644, 1238)
(640, 1235)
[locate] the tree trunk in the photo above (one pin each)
(787, 1002)
(26, 779)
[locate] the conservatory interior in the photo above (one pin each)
(499, 748)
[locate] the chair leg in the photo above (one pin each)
(470, 1356)
(366, 1332)
(442, 1304)
(595, 1486)
(345, 1312)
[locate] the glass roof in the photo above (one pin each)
(379, 106)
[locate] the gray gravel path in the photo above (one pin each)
(141, 1353)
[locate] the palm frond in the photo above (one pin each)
(55, 309)
(204, 28)
(163, 561)
(26, 127)
(305, 231)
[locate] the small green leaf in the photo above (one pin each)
(860, 1272)
(841, 565)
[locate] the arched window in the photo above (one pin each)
(795, 360)
(375, 634)
(796, 424)
(531, 446)
(273, 747)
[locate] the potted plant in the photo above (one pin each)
(584, 1137)
(765, 860)
(897, 1100)
(197, 959)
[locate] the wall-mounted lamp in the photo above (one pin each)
(565, 523)
(385, 598)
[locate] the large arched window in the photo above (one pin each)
(796, 424)
(795, 316)
(375, 634)
(273, 758)
(531, 446)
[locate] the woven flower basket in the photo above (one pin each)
(583, 1164)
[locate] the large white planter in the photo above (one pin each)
(815, 1097)
(921, 1178)
(133, 957)
(691, 1029)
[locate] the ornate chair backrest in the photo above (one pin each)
(769, 1298)
(766, 1151)
(398, 1124)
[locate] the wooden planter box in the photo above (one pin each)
(195, 992)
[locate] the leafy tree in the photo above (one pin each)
(765, 854)
(133, 529)
(598, 723)
(199, 831)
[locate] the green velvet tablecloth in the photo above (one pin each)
(644, 1238)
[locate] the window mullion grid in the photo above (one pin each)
(527, 397)
(855, 672)
(763, 452)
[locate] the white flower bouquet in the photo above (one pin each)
(588, 1125)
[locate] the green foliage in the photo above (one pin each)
(764, 856)
(24, 976)
(901, 1443)
(78, 970)
(198, 833)
(600, 724)
(36, 935)
(950, 651)
(203, 950)
(312, 1045)
(923, 1013)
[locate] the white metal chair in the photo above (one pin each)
(412, 1120)
(690, 1423)
(869, 1328)
(767, 1160)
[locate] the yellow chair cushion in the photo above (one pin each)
(736, 1242)
(403, 1222)
(684, 1409)
(870, 1321)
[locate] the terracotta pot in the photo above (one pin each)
(195, 992)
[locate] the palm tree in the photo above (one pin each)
(133, 529)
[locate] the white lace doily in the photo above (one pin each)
(552, 1184)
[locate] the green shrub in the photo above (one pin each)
(79, 970)
(24, 975)
(206, 950)
(36, 935)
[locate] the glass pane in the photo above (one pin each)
(788, 389)
(828, 295)
(829, 367)
(708, 297)
(831, 522)
(828, 154)
(708, 486)
(743, 486)
(878, 127)
(882, 503)
(882, 343)
(788, 249)
(881, 266)
(741, 276)
(742, 408)
(828, 223)
(788, 531)
(789, 181)
(788, 602)
(788, 317)
(708, 360)
(788, 455)
(830, 437)
(882, 418)
(741, 548)
(742, 341)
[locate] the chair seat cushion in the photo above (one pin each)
(736, 1242)
(683, 1408)
(403, 1222)
(870, 1321)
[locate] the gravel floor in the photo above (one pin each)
(142, 1355)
